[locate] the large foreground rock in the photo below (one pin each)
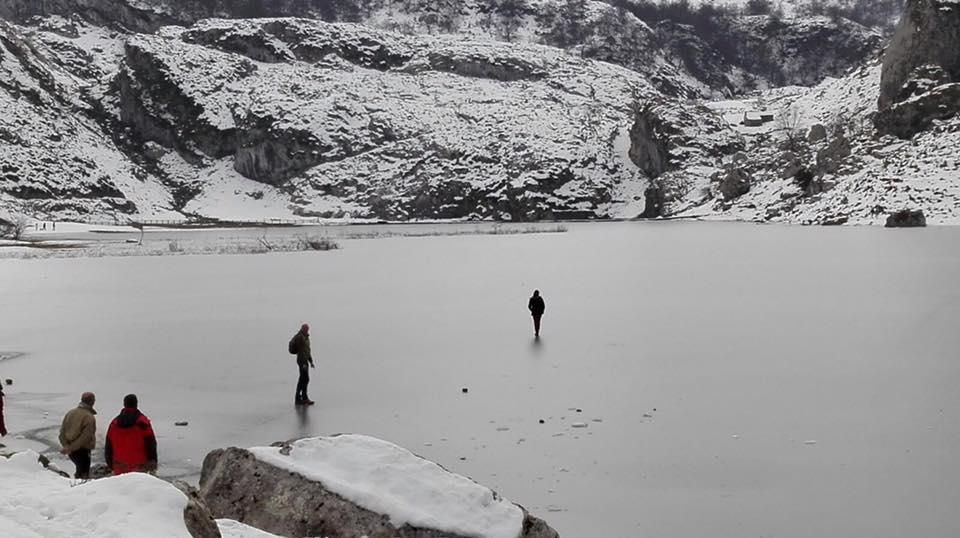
(351, 486)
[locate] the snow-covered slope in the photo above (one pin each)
(35, 502)
(55, 154)
(822, 162)
(337, 119)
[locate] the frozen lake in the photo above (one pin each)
(751, 342)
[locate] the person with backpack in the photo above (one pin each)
(536, 307)
(131, 444)
(300, 346)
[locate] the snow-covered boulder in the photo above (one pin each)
(348, 486)
(35, 502)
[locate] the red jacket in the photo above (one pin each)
(131, 445)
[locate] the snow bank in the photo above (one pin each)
(234, 529)
(35, 502)
(385, 478)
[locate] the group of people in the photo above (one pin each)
(300, 346)
(131, 445)
(130, 442)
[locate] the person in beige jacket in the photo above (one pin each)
(78, 434)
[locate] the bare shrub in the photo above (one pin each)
(15, 229)
(317, 243)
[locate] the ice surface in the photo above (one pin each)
(777, 334)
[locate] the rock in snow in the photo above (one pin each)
(908, 218)
(353, 486)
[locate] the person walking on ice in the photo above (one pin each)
(3, 426)
(78, 434)
(536, 307)
(300, 346)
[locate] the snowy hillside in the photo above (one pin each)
(443, 118)
(822, 162)
(55, 154)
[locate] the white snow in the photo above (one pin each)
(35, 502)
(234, 529)
(391, 480)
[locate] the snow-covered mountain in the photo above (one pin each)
(442, 117)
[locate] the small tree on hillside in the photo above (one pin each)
(15, 228)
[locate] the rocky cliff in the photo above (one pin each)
(724, 52)
(921, 68)
(461, 111)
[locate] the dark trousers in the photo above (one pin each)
(536, 324)
(302, 382)
(81, 458)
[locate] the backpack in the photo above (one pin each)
(292, 347)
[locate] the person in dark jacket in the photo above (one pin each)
(3, 426)
(131, 444)
(536, 307)
(300, 345)
(78, 434)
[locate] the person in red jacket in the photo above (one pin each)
(131, 445)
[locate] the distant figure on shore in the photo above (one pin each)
(131, 443)
(3, 426)
(78, 434)
(300, 346)
(536, 307)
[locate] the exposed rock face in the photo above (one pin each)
(816, 133)
(906, 118)
(907, 218)
(759, 51)
(921, 69)
(666, 136)
(196, 516)
(733, 183)
(391, 126)
(236, 485)
(742, 53)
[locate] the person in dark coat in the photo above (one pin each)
(131, 444)
(3, 426)
(536, 307)
(300, 346)
(78, 434)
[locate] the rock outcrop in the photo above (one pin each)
(921, 69)
(197, 516)
(907, 218)
(238, 485)
(667, 136)
(377, 124)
